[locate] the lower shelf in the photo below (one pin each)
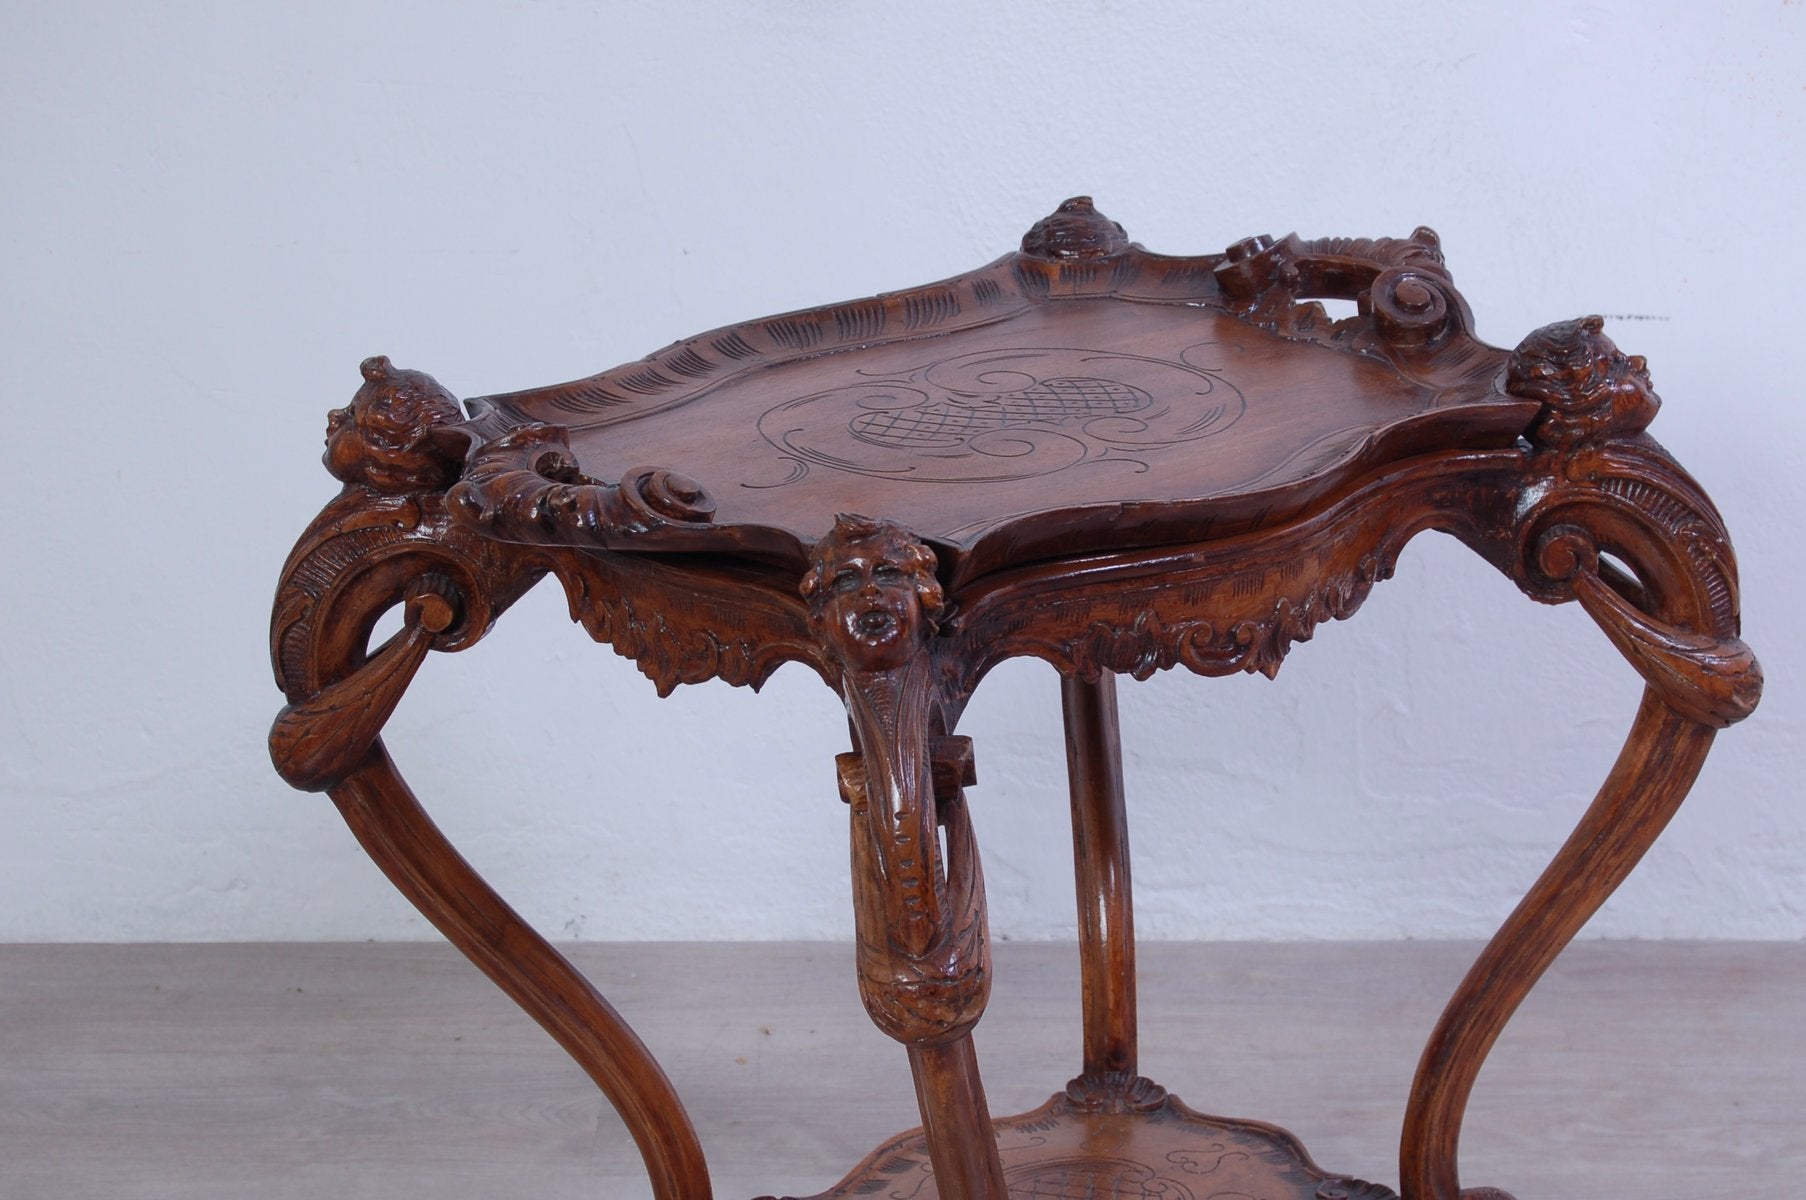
(1143, 1145)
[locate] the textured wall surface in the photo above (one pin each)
(212, 212)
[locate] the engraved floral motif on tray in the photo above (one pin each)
(1006, 414)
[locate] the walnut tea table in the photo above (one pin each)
(1111, 460)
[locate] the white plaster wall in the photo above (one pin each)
(212, 212)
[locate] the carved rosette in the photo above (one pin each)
(922, 948)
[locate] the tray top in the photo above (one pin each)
(1081, 394)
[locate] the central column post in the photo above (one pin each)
(1100, 854)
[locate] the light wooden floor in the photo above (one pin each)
(1646, 1070)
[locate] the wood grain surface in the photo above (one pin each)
(295, 1072)
(1569, 497)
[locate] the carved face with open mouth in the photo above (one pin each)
(395, 435)
(872, 591)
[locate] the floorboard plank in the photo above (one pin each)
(295, 1072)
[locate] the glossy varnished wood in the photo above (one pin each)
(1059, 400)
(1111, 460)
(1100, 856)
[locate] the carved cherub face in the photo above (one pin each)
(1589, 386)
(384, 438)
(872, 592)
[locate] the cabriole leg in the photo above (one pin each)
(1595, 488)
(402, 840)
(388, 539)
(1656, 767)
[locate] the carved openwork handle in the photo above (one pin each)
(317, 742)
(1408, 303)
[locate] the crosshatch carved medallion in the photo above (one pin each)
(1006, 414)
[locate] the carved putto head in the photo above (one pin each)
(391, 437)
(872, 592)
(1589, 389)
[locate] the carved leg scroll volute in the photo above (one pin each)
(388, 538)
(1596, 487)
(923, 958)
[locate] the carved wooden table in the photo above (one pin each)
(1112, 460)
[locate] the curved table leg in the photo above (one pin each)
(331, 741)
(1593, 489)
(1657, 766)
(388, 538)
(402, 840)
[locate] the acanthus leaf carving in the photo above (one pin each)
(1147, 642)
(1713, 680)
(606, 599)
(525, 486)
(1607, 518)
(318, 741)
(386, 539)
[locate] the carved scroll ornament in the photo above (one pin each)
(525, 486)
(1598, 488)
(389, 539)
(385, 540)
